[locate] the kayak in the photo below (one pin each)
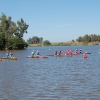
(87, 52)
(60, 55)
(82, 53)
(13, 58)
(37, 57)
(1, 59)
(55, 55)
(50, 55)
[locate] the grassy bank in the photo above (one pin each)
(68, 44)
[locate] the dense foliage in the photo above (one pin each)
(46, 43)
(35, 40)
(89, 38)
(11, 34)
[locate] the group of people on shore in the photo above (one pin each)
(68, 52)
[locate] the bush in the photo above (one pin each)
(46, 43)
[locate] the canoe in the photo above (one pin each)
(13, 58)
(37, 57)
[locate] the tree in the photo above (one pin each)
(46, 43)
(86, 38)
(89, 38)
(9, 31)
(73, 41)
(80, 39)
(41, 40)
(21, 29)
(35, 40)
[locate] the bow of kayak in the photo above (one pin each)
(1, 59)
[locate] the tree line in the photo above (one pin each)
(86, 38)
(35, 40)
(89, 38)
(11, 33)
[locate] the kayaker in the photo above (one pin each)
(81, 50)
(84, 55)
(76, 51)
(33, 54)
(7, 54)
(67, 52)
(11, 54)
(60, 52)
(37, 54)
(99, 50)
(71, 51)
(55, 52)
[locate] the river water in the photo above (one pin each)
(52, 78)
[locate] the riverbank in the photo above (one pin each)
(68, 44)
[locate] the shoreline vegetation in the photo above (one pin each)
(67, 44)
(11, 36)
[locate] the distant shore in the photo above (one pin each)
(68, 44)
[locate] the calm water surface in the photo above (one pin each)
(54, 78)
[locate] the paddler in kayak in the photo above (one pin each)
(55, 53)
(10, 54)
(76, 51)
(84, 55)
(67, 52)
(38, 54)
(7, 54)
(60, 52)
(81, 50)
(32, 53)
(70, 52)
(99, 50)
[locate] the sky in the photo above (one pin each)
(55, 20)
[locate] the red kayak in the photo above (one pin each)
(37, 57)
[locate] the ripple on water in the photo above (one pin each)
(54, 78)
